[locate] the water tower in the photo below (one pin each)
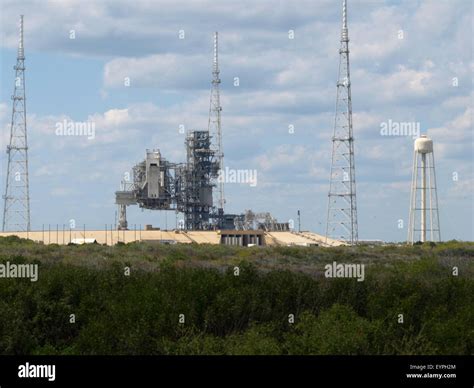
(424, 215)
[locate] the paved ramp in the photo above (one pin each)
(302, 239)
(321, 240)
(287, 238)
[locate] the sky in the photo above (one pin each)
(411, 62)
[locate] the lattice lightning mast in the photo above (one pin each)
(214, 124)
(16, 211)
(342, 208)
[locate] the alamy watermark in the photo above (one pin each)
(75, 128)
(11, 270)
(28, 370)
(335, 270)
(231, 175)
(400, 128)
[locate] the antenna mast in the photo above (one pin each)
(342, 207)
(16, 210)
(214, 124)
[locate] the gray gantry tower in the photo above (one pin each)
(16, 210)
(214, 125)
(342, 208)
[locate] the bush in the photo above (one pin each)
(337, 330)
(244, 314)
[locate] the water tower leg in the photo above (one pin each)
(411, 215)
(423, 197)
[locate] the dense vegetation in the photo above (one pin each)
(244, 314)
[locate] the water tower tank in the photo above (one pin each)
(424, 145)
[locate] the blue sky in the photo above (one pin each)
(282, 82)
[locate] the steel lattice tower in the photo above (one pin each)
(342, 208)
(16, 211)
(214, 124)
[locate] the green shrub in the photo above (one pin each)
(229, 314)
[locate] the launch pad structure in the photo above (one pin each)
(187, 187)
(183, 187)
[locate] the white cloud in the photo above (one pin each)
(164, 71)
(455, 138)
